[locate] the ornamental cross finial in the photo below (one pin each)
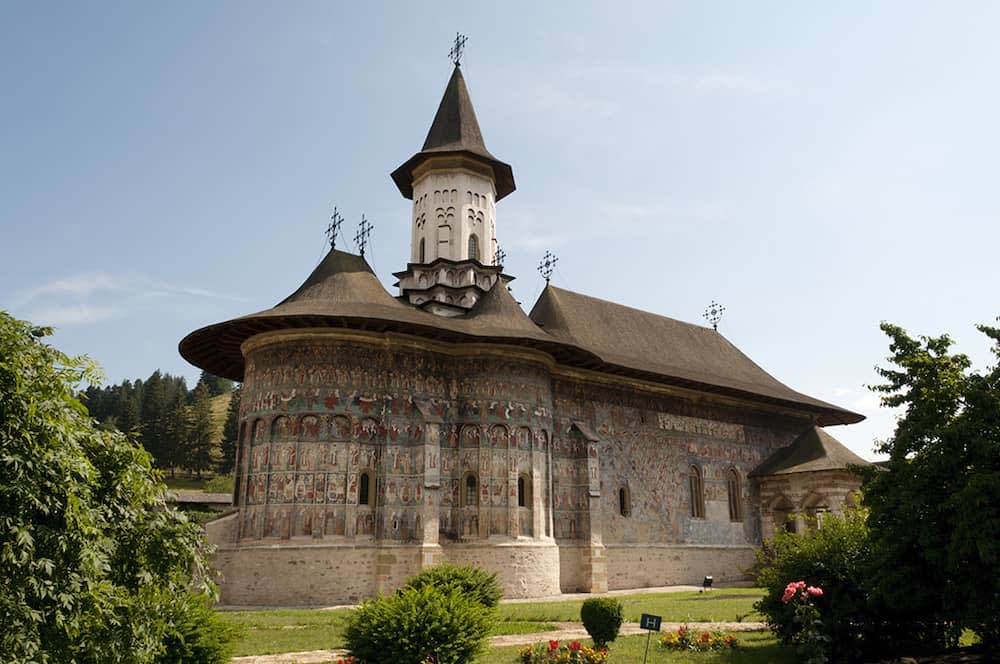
(364, 232)
(334, 227)
(456, 51)
(547, 266)
(714, 314)
(499, 256)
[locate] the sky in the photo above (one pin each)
(817, 168)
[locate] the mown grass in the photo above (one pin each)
(728, 604)
(294, 630)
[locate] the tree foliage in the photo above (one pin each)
(231, 433)
(935, 516)
(94, 565)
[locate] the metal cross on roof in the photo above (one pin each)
(548, 264)
(364, 232)
(714, 314)
(499, 256)
(334, 227)
(456, 51)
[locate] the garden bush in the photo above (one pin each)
(472, 581)
(835, 556)
(419, 622)
(197, 635)
(602, 618)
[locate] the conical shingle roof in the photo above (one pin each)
(455, 130)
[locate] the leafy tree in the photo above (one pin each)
(94, 565)
(231, 433)
(935, 516)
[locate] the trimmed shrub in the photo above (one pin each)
(602, 618)
(417, 623)
(472, 581)
(197, 635)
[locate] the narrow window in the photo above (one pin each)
(363, 489)
(624, 501)
(471, 496)
(733, 487)
(697, 493)
(423, 251)
(520, 492)
(473, 247)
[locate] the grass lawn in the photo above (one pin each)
(294, 630)
(727, 604)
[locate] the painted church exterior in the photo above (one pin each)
(584, 446)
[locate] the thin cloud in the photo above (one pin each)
(89, 284)
(72, 314)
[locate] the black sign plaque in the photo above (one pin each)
(650, 622)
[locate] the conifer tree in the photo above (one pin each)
(198, 456)
(231, 433)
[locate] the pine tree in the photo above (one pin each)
(231, 433)
(152, 411)
(175, 443)
(199, 439)
(216, 385)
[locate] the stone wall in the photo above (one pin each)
(638, 566)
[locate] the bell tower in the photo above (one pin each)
(454, 183)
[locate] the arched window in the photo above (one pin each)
(470, 497)
(473, 247)
(364, 485)
(423, 250)
(624, 501)
(733, 488)
(697, 489)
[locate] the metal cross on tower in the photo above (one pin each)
(548, 264)
(364, 232)
(334, 227)
(714, 314)
(456, 51)
(499, 256)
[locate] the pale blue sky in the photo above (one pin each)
(815, 168)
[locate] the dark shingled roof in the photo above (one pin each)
(667, 350)
(576, 330)
(455, 130)
(343, 292)
(814, 450)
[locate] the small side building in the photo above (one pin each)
(811, 477)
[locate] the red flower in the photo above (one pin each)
(815, 591)
(553, 645)
(575, 645)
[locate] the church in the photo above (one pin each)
(581, 447)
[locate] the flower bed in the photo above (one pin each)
(570, 652)
(686, 639)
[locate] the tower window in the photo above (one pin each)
(364, 485)
(473, 247)
(697, 489)
(423, 250)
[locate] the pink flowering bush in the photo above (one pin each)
(810, 641)
(569, 652)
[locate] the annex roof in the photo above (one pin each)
(814, 450)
